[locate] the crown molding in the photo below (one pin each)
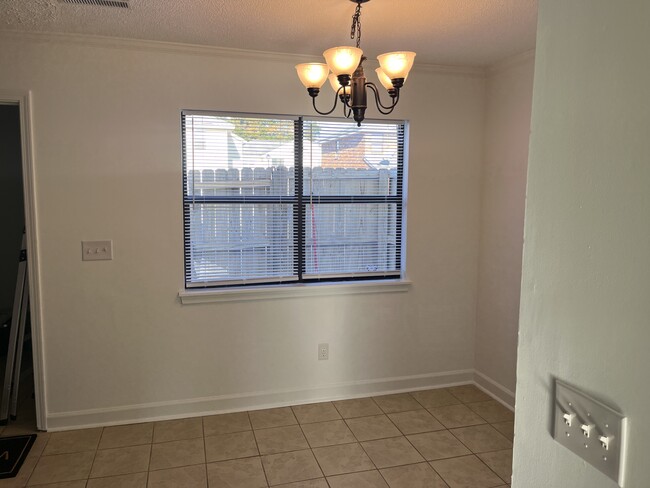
(198, 49)
(471, 71)
(511, 62)
(145, 45)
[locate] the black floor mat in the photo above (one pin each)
(13, 451)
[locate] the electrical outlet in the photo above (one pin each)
(323, 351)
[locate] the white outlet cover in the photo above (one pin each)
(587, 415)
(96, 250)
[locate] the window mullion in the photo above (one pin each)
(299, 213)
(400, 189)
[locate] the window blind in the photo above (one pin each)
(352, 192)
(282, 199)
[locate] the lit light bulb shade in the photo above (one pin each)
(343, 60)
(397, 64)
(385, 80)
(334, 81)
(312, 75)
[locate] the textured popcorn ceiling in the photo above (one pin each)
(454, 32)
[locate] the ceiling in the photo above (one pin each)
(447, 32)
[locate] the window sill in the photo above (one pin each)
(272, 292)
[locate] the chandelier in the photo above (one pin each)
(348, 79)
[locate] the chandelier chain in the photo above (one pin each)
(356, 25)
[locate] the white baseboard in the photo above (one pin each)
(495, 389)
(252, 401)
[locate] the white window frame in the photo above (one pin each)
(335, 285)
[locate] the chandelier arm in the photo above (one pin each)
(397, 92)
(386, 110)
(346, 101)
(336, 96)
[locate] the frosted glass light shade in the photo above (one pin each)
(334, 81)
(385, 80)
(343, 60)
(312, 75)
(397, 64)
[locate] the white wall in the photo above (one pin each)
(119, 345)
(586, 272)
(509, 96)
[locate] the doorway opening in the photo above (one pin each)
(17, 397)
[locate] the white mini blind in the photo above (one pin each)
(352, 185)
(273, 200)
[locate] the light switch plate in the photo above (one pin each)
(583, 425)
(96, 250)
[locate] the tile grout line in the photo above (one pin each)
(356, 416)
(403, 435)
(459, 440)
(439, 474)
(366, 452)
(358, 472)
(364, 449)
(311, 449)
(37, 461)
(472, 453)
(482, 452)
(150, 453)
(94, 456)
(486, 464)
(205, 454)
(257, 446)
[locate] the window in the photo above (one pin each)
(290, 199)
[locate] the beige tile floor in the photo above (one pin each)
(445, 438)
